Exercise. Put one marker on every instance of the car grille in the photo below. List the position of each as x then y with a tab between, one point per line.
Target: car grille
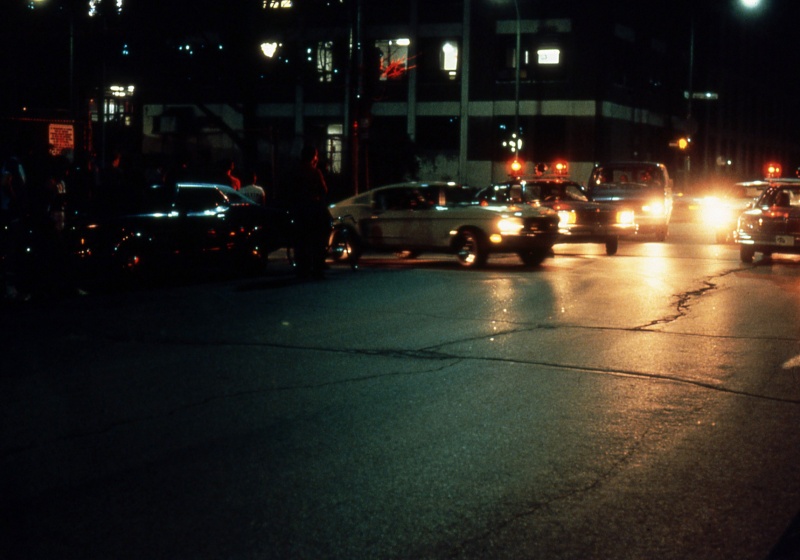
592	217
791	225
541	225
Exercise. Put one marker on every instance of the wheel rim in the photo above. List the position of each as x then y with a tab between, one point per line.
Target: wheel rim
468	252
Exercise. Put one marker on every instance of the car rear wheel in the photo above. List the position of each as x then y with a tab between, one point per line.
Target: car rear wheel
471	249
345	247
612	244
746	253
533	257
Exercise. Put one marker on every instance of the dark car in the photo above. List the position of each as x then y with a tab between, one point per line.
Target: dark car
643	187
178	229
772	225
580	221
410	218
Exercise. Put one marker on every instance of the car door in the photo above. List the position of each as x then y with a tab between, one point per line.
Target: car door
395	220
201	224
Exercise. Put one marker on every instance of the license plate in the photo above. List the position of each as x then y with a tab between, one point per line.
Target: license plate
784	240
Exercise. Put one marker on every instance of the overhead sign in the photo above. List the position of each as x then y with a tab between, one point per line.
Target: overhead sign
61	138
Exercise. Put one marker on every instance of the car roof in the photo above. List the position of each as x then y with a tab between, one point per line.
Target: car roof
421	184
199	185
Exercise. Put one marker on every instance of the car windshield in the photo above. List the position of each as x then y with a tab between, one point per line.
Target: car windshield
533	191
620	175
788	196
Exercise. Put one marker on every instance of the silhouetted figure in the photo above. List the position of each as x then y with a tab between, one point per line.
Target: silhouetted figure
309	199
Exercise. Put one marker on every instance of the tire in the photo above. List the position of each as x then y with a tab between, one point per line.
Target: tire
612	244
533	257
746	253
254	259
345	247
471	249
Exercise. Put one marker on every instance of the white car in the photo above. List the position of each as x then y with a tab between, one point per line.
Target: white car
411	218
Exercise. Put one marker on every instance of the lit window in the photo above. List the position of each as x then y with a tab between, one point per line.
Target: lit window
393	58
325	61
277	4
449	58
333	148
94	5
549	56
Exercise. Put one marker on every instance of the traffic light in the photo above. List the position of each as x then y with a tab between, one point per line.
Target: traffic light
681	143
514	167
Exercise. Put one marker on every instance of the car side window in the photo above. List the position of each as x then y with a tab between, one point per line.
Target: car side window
199	200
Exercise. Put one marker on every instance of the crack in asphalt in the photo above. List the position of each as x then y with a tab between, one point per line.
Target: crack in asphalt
684	300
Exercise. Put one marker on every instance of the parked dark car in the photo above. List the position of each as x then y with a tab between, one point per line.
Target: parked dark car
579	220
772	225
410	218
178	229
643	187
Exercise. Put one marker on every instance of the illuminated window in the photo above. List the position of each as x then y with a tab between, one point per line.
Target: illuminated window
549	56
325	61
449	59
277	4
333	147
94	6
393	58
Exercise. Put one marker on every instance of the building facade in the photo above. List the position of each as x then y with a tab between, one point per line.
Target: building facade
456	89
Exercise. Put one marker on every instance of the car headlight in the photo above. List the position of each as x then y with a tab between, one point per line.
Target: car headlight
566	217
654	208
625	217
510	226
715	212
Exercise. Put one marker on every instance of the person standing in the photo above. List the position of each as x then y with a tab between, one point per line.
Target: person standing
311	215
230	173
253	191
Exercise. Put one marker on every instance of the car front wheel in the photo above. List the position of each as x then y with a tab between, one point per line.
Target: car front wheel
533	257
746	253
471	249
612	244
